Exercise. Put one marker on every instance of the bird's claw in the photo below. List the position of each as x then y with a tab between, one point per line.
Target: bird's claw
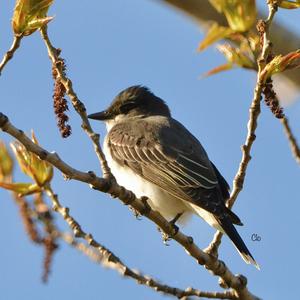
137	215
165	237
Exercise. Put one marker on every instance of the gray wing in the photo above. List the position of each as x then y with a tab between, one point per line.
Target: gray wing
163	152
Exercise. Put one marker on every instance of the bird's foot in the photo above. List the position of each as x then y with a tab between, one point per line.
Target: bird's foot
167	237
147	207
176	218
137	215
145	211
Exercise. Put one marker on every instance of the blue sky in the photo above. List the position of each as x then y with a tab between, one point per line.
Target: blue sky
109	46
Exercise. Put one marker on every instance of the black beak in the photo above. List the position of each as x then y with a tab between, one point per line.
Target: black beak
103	115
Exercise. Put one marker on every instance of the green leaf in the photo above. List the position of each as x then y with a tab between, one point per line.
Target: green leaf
21	188
28	14
39	170
214	34
38	23
236	56
218	5
280	63
6	162
218	69
40	7
289	4
240	14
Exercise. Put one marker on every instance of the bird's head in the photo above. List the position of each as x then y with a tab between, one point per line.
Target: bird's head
133	101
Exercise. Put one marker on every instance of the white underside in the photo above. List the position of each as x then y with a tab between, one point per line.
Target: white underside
167	205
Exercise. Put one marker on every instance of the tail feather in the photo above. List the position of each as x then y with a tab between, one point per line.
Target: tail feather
234	218
236	239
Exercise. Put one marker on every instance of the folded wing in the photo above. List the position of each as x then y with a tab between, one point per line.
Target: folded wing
173	159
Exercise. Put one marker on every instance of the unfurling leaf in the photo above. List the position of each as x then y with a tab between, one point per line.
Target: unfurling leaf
236	57
289	4
281	63
39	170
6	162
21	189
30	15
240	14
219	69
251	45
214	34
38	23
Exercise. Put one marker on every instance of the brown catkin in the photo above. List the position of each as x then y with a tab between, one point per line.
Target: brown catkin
60	104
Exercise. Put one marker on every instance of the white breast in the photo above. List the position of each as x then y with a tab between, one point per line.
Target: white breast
167	205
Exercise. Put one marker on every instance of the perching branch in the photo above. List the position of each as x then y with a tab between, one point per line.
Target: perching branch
108	259
10	53
254	113
237	283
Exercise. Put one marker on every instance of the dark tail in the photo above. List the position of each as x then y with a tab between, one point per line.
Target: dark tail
232	233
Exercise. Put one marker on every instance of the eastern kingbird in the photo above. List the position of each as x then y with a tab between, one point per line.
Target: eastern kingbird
154	155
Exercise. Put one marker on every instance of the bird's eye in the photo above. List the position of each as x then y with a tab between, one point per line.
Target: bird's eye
126	107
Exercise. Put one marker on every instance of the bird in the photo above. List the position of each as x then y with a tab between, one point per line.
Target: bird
155	156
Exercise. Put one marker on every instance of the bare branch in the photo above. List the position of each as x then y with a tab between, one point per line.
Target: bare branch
217	267
10	53
254	113
146	280
110	260
291	138
82	247
77	104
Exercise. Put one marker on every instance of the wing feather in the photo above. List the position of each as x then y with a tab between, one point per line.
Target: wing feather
170	157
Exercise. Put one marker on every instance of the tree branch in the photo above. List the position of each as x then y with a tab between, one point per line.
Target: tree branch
291	138
10	53
104	257
254	113
217	267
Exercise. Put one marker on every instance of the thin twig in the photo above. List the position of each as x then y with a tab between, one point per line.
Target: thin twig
291	138
77	104
82	247
217	267
10	53
108	259
254	113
